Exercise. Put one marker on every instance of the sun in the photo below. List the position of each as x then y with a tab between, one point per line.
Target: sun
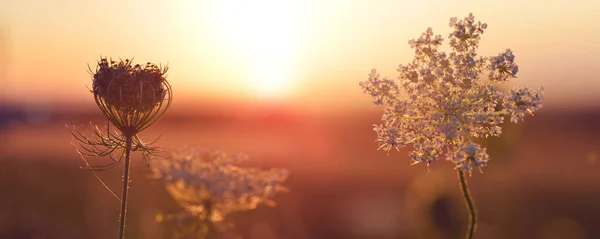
262	34
270	78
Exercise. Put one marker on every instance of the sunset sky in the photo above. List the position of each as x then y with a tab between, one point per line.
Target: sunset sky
311	52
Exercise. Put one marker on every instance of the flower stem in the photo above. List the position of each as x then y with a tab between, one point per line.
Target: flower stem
469	203
125	188
206	222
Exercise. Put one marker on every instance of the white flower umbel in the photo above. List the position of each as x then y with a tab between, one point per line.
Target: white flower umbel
210	185
440	104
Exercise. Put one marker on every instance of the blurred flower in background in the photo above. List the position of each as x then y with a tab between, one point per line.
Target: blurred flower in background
210	185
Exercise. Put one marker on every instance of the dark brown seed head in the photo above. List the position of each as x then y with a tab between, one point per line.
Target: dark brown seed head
132	97
129	88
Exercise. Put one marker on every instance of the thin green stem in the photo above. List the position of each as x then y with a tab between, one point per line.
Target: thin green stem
125	188
469	203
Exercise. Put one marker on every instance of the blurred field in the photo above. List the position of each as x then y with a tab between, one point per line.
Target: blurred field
543	180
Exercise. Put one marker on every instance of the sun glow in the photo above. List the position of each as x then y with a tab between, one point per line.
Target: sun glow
263	36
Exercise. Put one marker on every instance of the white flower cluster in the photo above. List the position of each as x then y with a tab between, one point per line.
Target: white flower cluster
439	103
210	180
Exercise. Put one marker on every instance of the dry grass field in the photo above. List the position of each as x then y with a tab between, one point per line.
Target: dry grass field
543	180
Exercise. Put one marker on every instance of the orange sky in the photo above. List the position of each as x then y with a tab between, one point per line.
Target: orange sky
309	51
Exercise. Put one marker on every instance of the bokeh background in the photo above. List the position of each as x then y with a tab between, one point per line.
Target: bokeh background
278	80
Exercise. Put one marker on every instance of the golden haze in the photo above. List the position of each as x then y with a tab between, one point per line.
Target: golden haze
309	52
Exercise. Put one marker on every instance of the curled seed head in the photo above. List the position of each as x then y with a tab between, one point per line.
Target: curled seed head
132	97
129	88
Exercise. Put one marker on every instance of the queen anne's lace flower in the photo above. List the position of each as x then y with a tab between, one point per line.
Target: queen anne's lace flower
210	180
439	103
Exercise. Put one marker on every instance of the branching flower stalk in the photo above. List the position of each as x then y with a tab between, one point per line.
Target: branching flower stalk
132	98
210	185
440	105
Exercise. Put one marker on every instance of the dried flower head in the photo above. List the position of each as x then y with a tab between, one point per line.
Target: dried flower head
202	180
131	97
440	104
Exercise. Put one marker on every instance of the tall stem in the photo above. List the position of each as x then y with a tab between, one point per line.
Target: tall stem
125	188
469	203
